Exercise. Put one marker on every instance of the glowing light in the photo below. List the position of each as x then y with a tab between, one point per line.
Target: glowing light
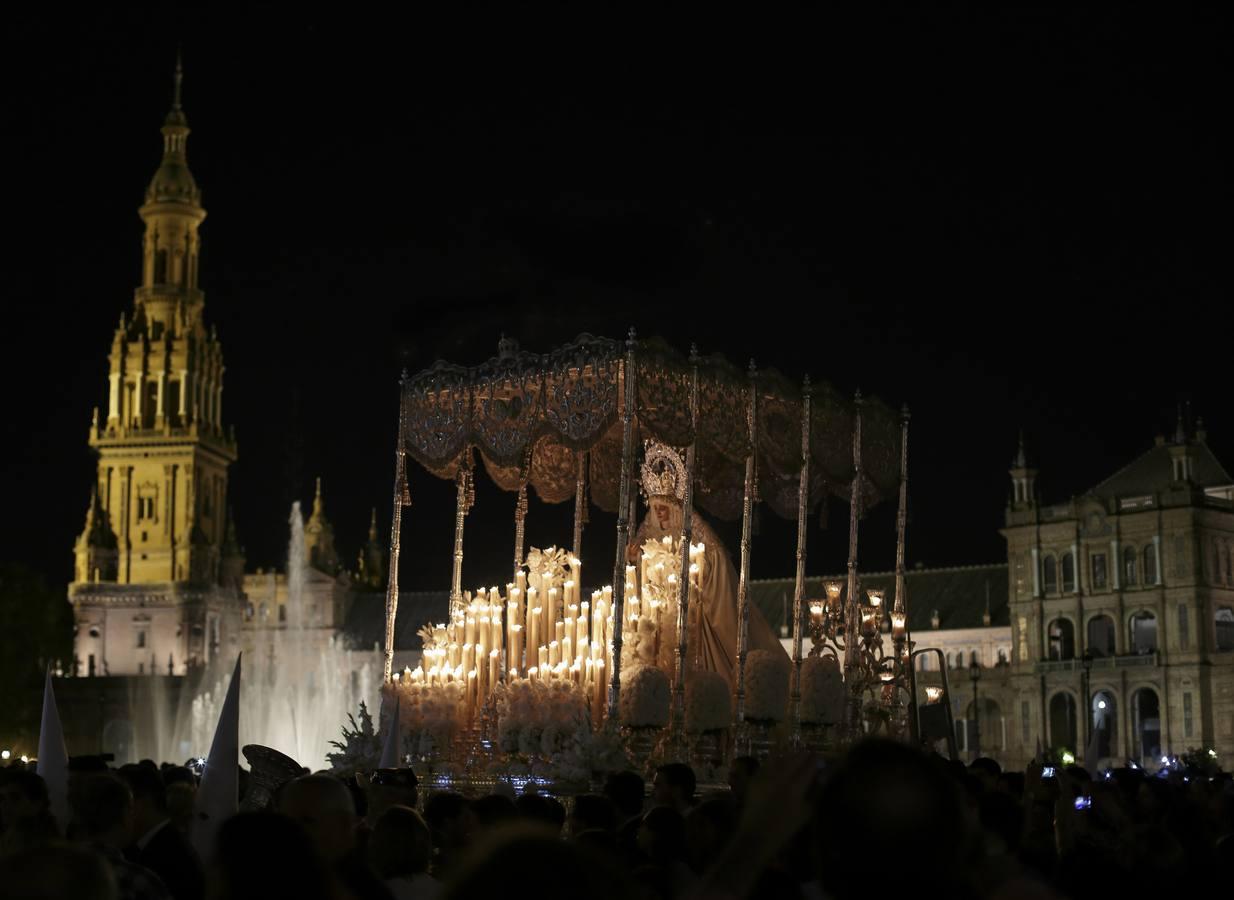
25	758
1212	753
1068	757
5	754
1100	704
1165	760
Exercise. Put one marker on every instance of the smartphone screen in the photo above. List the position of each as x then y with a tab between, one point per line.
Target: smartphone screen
1047	772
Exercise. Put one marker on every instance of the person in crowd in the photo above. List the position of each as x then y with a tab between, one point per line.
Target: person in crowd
674	787
662	839
523	861
25	815
400	850
545	811
157	844
592	812
627	790
452	825
102	809
55	871
264	855
323	806
740	772
385	788
494	811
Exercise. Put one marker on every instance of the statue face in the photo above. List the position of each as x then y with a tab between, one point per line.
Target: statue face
664	511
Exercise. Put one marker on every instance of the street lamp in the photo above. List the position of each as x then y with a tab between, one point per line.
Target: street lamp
974	675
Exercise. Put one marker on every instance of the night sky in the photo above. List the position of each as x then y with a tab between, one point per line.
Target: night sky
1011	218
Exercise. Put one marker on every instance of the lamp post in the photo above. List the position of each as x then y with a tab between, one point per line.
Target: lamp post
974	675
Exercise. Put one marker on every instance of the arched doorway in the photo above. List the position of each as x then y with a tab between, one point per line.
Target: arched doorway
1146	726
1061	636
1063	721
1103	720
1101	636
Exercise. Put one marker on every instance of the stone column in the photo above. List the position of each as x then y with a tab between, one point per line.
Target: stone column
113	397
184	392
158	403
1115	564
1036	572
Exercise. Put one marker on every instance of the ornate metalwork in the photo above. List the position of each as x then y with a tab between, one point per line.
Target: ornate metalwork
629	376
402	497
743	577
683	580
851	652
465	498
803	505
580	503
900	630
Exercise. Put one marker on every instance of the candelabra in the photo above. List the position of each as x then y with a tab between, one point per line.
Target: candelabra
877	681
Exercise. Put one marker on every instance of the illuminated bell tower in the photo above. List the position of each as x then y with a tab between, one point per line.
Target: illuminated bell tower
163	450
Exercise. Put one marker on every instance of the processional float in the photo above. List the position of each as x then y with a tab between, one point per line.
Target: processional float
568	424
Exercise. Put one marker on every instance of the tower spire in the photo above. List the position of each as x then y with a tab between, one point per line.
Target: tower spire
175	100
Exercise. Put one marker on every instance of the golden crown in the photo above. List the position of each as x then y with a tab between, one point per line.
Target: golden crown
663	472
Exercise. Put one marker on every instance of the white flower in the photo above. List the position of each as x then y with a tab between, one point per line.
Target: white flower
822	691
707	702
767	677
645	698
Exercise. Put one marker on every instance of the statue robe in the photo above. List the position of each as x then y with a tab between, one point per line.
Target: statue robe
712	642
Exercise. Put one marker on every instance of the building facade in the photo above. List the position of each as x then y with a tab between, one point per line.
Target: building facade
156	584
1122	608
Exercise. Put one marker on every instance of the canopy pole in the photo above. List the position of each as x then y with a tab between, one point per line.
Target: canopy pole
903	643
402	497
803	502
683	577
580	504
852	631
623	524
520	513
465	497
747	520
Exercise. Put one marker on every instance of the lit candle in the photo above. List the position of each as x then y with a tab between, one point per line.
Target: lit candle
520	579
466	662
816	613
584	622
515	654
469	635
533	630
552	609
543	658
533	673
494	669
554	654
934	694
898	624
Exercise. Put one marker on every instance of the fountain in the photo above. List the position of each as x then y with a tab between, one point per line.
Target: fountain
299	681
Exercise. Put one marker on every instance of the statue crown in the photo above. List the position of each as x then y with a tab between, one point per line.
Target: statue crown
663	472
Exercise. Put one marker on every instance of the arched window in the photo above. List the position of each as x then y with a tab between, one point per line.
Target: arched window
1101	636
1049	575
1068	573
1062	639
1062	721
160	267
1150	564
1223	620
1143	633
1146	725
1129	566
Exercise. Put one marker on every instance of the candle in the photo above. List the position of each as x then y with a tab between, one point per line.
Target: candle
472	687
533	673
496	640
551	616
567	649
934	694
515	653
543	658
469	634
533	630
554	654
559	631
520	579
468	650
584	622
494	669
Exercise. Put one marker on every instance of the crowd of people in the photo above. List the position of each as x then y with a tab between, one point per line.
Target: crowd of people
882	817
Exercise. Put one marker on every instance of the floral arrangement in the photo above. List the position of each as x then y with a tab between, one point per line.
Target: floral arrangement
546	567
766	686
645	698
707	702
822	691
360	749
429	715
590	754
539	718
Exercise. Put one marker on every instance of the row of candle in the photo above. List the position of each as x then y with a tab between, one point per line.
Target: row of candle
871	613
652	590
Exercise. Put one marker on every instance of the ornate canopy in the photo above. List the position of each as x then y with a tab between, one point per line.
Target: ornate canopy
528	414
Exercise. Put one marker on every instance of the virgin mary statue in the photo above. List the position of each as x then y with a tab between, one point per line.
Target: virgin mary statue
663	484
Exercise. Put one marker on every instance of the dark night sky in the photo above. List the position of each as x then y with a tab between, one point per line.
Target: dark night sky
1011	218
